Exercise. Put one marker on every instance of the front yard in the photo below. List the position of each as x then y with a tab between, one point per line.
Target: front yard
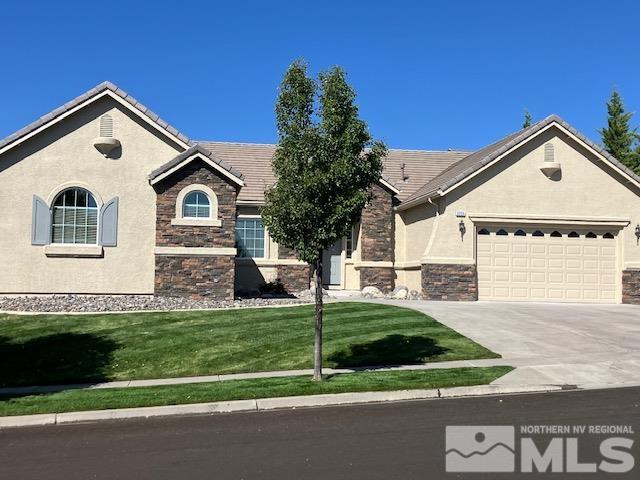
59	349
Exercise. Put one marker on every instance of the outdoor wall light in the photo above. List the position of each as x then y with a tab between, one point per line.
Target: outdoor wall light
463	228
637	234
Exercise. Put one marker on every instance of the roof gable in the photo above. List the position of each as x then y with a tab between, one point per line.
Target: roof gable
196	152
467	167
87	98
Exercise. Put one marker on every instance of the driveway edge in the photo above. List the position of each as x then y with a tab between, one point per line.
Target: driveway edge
264	404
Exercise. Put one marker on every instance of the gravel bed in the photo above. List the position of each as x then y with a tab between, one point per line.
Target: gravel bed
125	303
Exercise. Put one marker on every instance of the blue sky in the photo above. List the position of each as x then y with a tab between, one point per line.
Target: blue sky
429	75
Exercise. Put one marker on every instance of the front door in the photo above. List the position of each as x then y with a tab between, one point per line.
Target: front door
332	264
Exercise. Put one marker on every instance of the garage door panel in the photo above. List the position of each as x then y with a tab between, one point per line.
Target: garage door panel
545	268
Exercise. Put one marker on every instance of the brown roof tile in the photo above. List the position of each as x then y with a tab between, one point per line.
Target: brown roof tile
254	161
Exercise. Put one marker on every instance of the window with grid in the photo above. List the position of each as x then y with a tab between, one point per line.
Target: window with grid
250	237
196	205
75	217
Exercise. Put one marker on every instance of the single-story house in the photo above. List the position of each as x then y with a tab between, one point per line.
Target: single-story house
101	196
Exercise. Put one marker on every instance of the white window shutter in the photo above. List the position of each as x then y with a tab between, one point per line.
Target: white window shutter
108	223
40	222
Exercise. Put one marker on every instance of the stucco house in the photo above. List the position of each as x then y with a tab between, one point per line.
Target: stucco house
101	196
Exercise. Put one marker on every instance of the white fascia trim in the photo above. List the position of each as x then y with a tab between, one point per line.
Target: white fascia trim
548	219
389	186
195	251
448	261
205	159
82	105
372	264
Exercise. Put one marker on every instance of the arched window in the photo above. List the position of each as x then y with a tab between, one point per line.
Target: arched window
196	205
520	233
484	231
537	233
502	232
591	235
556	234
573	235
607	235
75	217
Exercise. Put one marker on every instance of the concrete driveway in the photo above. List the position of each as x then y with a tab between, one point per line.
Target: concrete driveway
566	344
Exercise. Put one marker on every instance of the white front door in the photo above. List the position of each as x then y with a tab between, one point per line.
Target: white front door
332	264
547	264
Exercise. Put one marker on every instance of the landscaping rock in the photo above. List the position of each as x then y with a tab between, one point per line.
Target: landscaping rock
124	303
400	292
372	292
414	295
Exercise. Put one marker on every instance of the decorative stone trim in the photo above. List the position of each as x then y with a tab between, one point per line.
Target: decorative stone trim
380	277
449	282
631	286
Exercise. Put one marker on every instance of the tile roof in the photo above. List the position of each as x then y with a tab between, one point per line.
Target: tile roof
254	160
478	159
86	96
195	149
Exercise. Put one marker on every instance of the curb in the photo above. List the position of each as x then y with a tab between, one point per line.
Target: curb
264	404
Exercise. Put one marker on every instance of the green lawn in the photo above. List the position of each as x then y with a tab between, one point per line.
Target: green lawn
78	400
54	349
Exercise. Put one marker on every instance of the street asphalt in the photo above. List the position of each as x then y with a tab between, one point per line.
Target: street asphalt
400	440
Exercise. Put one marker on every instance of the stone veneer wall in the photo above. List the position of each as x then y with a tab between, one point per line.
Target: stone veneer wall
449	282
295	278
631	286
195	276
376	240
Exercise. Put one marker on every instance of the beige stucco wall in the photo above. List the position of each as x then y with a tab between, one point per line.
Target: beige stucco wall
515	186
64	155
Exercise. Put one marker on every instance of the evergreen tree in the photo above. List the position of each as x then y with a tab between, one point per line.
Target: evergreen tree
528	120
325	165
618	137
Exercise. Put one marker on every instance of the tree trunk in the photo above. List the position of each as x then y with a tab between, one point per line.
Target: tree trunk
317	349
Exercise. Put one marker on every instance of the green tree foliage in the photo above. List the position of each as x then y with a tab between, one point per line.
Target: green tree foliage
528	119
619	139
325	165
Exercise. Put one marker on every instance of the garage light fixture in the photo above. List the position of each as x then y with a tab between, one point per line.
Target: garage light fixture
637	234
462	228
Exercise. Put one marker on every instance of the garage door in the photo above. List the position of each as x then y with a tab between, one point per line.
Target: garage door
546	265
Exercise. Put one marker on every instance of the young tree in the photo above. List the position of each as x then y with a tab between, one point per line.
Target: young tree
618	137
325	165
528	119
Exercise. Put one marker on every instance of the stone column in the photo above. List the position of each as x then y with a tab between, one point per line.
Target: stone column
377	242
631	286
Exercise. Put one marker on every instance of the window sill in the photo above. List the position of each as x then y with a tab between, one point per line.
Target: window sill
77	251
196	222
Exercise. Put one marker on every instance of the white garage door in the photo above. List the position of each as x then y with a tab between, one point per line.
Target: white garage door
546	265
